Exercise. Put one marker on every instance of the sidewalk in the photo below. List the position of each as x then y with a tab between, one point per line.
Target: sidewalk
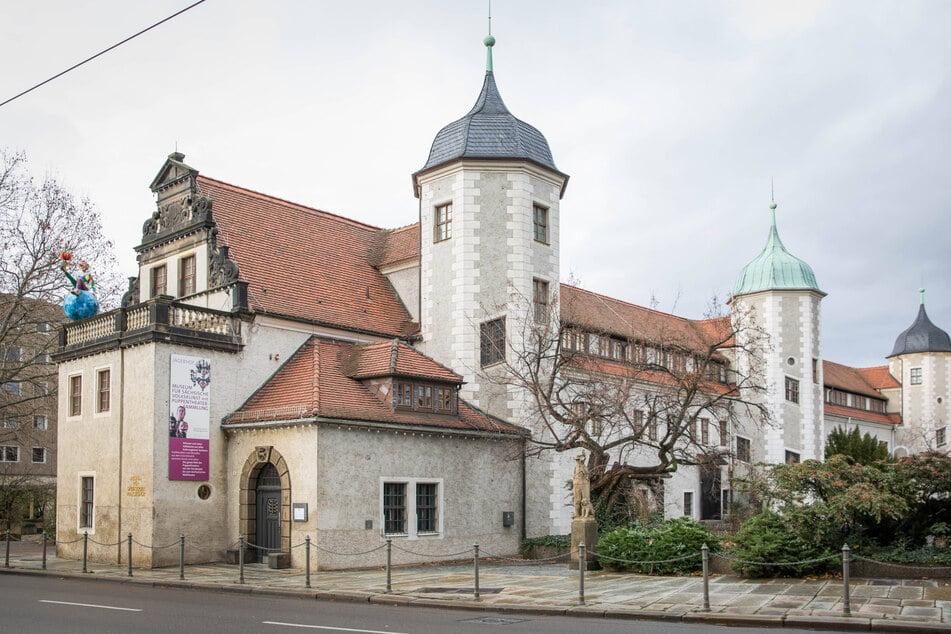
876	604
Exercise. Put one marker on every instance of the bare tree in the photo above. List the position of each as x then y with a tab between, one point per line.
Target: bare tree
642	392
38	222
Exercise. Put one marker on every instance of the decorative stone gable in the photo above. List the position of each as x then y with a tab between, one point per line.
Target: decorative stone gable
180	206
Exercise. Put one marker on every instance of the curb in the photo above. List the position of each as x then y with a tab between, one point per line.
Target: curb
844	623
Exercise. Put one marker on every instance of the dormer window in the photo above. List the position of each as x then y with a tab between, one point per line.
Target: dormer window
421	396
186	276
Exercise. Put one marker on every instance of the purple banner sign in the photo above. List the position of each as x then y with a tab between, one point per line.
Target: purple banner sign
189	398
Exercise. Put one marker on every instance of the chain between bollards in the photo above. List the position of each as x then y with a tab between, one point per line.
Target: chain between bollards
846	552
44	550
85	548
705	552
389	561
7	558
129	554
582	557
181	556
475	563
307	562
241	558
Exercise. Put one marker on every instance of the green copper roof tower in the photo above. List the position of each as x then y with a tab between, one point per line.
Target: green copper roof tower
775	268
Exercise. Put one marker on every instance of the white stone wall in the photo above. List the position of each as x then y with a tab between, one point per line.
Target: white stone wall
924	407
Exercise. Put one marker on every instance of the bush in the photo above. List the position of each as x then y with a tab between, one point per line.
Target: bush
669	539
558	541
770	538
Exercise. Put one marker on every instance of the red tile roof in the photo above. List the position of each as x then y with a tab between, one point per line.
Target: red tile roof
395	358
838	410
846	378
397	246
305	263
879	377
312	383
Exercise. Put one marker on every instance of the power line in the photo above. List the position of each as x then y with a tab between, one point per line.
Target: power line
102	52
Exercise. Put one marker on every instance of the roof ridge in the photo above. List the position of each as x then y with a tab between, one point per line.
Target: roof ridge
394	354
331	215
607	297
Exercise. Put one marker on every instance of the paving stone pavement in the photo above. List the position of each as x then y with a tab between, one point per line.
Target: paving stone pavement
876	604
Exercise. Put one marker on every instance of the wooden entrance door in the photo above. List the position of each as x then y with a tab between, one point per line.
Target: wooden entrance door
710	491
268	511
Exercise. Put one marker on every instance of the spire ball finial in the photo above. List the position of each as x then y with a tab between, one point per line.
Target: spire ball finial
489	41
773	205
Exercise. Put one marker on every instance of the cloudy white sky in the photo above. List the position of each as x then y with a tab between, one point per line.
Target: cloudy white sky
671	119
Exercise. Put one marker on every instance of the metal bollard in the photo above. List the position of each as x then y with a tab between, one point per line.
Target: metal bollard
389	561
475	562
846	608
705	552
181	557
85	548
44	550
307	561
129	554
581	564
7	558
241	558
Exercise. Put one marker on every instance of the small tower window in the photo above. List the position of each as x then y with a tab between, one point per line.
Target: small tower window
540	299
792	390
442	223
492	339
541	224
916	376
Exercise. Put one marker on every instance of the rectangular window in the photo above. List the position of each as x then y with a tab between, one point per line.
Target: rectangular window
442	223
492	340
87	490
916	376
638	422
540	299
43	357
619	350
39	454
743	450
815	370
875	405
792	457
42	326
76	395
940	436
404	394
103	390
424	396
651	427
724	434
12	388
444	399
426	507
837	397
40	422
186	276
9	453
159	281
11	353
705	432
394	508
688	503
10	423
792	390
540	223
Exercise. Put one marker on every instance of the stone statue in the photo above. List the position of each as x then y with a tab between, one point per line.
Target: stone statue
581	488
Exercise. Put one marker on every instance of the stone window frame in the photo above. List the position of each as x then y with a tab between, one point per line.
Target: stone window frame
492	341
9	453
541	224
792	390
41	422
792	457
187	275
541	299
409	507
941	436
74	395
43	455
724	432
744	449
103	396
689	503
86	508
158	280
915	376
442	222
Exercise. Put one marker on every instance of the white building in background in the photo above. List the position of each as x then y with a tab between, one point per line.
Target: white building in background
330	377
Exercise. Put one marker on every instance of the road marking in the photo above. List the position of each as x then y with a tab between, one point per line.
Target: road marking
93	605
325	627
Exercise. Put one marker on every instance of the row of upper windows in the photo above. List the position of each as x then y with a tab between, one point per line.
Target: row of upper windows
40	423
15	388
103	393
855	401
442	223
424	397
16	353
158	283
11	453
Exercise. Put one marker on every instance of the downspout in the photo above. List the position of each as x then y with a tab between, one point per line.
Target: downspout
524	510
121	417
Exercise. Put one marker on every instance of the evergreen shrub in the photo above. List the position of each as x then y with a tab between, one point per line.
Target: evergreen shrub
769	538
669	539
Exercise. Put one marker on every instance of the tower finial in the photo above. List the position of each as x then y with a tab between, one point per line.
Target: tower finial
922	289
489	42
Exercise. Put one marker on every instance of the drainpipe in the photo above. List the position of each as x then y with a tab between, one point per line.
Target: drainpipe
524	510
121	417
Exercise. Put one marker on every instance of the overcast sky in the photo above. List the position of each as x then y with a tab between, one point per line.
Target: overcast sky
670	117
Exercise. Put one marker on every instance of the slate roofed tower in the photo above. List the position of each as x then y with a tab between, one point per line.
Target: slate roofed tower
921	362
489	196
777	294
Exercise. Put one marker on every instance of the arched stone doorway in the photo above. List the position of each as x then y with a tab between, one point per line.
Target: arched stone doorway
266	501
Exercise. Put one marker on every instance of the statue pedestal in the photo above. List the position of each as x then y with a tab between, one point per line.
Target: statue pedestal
584	529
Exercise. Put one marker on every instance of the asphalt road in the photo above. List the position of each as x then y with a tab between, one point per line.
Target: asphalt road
49	604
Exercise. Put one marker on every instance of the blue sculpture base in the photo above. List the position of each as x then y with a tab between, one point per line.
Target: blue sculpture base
81	306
